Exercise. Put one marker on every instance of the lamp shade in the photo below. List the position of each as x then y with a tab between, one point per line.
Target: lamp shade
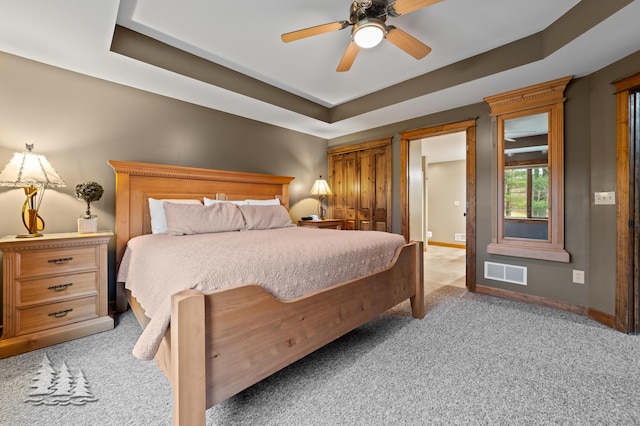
320	187
30	169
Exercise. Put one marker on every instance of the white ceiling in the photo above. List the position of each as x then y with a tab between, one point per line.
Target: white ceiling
245	36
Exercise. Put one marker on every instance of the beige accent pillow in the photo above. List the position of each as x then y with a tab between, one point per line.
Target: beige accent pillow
265	217
156	212
188	219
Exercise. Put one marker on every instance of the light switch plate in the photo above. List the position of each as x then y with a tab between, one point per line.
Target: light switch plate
601	198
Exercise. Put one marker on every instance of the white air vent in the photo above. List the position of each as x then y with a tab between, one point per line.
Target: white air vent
508	273
460	237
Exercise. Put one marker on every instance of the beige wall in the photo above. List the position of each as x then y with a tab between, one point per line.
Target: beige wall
79	123
446	183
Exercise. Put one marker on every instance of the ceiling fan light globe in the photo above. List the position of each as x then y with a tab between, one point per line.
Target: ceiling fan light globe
368	33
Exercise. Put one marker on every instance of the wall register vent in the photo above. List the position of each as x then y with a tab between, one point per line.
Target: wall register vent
460	237
508	273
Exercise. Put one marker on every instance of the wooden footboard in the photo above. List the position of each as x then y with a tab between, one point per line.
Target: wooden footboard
222	342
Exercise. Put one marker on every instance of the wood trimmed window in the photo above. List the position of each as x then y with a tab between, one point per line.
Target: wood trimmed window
529	125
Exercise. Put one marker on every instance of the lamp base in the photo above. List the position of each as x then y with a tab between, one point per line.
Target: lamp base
29	235
31	219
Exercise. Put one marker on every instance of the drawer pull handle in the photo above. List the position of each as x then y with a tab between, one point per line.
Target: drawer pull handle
60	261
60	314
60	287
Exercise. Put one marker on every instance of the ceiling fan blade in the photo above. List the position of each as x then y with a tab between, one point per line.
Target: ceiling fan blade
408	43
313	31
348	57
402	7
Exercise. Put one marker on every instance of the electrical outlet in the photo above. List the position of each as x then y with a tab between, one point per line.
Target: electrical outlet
578	276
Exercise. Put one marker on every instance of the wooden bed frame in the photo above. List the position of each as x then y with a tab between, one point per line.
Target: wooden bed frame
222	342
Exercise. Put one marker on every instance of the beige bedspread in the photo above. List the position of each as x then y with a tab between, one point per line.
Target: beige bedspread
287	262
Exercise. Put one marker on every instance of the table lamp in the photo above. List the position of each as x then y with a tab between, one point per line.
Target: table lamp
34	174
321	189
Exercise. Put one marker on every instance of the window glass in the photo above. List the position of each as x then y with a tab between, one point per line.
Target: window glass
526	192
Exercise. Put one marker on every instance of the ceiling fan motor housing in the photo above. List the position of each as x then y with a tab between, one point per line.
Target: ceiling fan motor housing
367	18
377	10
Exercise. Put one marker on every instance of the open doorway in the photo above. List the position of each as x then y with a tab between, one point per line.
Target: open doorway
437	213
468	128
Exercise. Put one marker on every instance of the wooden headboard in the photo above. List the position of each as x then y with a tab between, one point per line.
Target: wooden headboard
137	182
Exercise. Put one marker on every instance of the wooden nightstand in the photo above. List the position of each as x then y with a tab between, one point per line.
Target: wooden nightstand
324	223
54	289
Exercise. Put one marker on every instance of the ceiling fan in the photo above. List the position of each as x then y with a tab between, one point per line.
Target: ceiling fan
369	28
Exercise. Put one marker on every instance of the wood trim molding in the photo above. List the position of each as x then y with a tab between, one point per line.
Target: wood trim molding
469	127
441	129
452	245
528	298
625	305
359	146
404	188
601	317
21	244
628	83
471	206
548	93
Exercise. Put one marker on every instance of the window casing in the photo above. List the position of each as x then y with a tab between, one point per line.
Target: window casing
529	208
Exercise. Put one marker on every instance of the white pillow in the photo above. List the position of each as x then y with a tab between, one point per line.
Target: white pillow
156	211
269	202
209	201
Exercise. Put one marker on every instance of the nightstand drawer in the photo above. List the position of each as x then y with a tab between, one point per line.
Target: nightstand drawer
55	314
59	260
43	289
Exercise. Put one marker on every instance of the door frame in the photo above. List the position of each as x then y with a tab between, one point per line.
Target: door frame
627	316
469	127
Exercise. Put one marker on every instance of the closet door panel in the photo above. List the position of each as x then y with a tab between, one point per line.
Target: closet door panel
365	180
352	189
337	183
381	201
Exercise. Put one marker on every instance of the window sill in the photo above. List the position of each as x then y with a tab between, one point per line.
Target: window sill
555	255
